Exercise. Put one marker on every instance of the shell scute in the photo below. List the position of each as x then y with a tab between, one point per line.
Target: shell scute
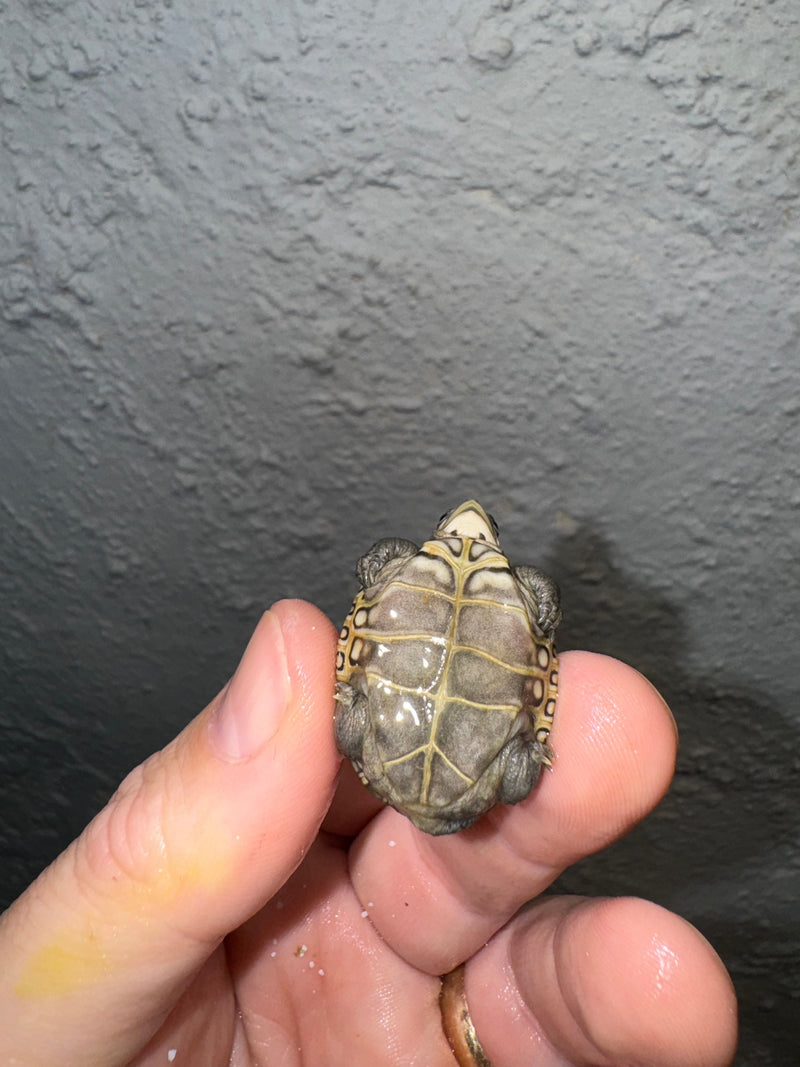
409	773
412	664
493	583
480	679
445	780
499	633
405	611
430	571
462	729
402	721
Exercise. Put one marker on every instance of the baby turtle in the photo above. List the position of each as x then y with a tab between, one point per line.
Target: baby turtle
447	673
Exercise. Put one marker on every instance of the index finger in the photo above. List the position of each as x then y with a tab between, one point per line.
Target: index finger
436	900
100	949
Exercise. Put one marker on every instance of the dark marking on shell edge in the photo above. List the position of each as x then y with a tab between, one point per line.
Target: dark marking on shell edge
435	555
478	549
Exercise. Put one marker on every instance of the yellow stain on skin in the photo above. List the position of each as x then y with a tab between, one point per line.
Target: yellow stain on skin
167	888
81	955
73	961
128	916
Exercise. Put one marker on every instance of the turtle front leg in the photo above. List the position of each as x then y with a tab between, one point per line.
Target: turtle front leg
383	553
542	599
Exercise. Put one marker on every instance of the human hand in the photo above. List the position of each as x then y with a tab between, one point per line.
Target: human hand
204	918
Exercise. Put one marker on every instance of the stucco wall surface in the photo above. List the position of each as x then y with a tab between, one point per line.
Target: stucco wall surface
277	279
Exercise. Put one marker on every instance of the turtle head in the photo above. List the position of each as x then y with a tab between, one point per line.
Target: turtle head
468	520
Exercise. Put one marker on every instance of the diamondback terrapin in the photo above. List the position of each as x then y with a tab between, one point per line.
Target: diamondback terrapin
447	673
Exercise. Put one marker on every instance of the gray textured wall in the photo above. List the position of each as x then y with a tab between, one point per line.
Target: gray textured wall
277	279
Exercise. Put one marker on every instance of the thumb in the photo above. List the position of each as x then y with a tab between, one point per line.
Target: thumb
192	844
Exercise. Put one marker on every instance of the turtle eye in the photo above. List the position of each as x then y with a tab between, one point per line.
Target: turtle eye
442	518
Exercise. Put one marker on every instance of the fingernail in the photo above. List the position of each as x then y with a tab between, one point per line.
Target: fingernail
251	708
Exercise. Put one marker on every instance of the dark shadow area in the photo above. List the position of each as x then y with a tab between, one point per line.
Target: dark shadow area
765	972
77	715
85	698
732	808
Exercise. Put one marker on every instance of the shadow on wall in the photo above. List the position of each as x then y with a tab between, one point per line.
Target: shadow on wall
710	851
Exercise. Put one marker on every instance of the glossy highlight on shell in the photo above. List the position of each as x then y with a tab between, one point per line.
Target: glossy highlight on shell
447	673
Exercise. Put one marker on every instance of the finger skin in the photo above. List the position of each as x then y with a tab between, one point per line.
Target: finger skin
98	950
317	986
601	982
615	743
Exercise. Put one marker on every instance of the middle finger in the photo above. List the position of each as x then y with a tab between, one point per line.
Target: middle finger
436	900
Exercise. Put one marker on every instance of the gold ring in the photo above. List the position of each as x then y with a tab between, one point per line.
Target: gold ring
457	1021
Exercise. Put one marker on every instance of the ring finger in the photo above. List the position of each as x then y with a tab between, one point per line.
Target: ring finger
601	982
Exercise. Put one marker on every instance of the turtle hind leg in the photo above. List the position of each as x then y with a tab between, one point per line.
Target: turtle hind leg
542	598
520	771
350	721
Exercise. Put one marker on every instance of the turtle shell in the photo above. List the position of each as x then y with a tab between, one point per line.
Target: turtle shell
453	667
